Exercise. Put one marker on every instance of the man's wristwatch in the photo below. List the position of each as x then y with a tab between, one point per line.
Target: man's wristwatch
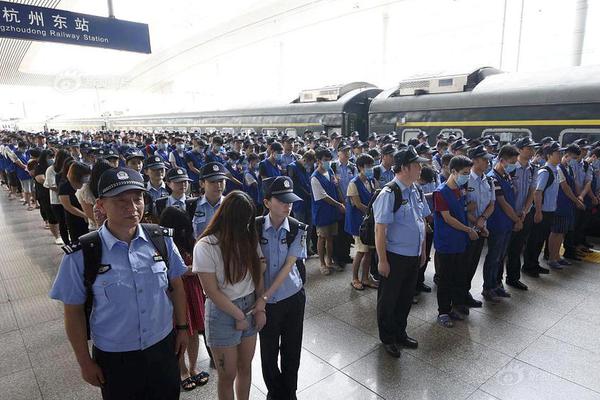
265	298
182	327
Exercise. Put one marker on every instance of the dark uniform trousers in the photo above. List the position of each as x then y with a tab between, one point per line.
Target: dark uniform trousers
282	334
150	374
515	248
576	236
471	260
341	244
394	297
450	276
533	248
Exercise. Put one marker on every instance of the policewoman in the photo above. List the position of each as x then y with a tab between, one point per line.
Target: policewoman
284	295
400	245
212	180
178	181
136	300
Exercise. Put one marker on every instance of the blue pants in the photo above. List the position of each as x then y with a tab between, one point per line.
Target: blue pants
497	247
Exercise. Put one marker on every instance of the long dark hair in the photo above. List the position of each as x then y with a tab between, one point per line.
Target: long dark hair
59	160
183	233
98	169
43	159
234	226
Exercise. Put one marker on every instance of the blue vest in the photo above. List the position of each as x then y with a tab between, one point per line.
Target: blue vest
179	160
499	221
323	213
448	240
229	185
198	160
301	181
271	169
10	165
354	216
164	155
564	205
22	174
254	191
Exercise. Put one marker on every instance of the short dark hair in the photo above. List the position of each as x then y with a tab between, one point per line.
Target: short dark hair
508	151
596	152
458	163
252	157
363	160
323	152
427	174
441	142
573	149
309	155
374	153
446	158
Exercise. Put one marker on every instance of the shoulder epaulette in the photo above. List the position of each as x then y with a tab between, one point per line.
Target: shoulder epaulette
72	248
387	189
167	231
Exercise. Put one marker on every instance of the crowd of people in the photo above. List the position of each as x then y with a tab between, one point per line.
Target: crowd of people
174	236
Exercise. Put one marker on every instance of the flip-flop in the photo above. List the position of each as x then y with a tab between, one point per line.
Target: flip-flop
357	285
371	284
200	379
188	384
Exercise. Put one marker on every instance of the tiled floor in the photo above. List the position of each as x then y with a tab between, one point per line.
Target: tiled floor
541	344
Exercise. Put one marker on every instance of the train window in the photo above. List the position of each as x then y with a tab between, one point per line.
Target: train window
508	134
450	131
228	131
246	131
291	132
210	130
332	129
567	136
408	134
270	131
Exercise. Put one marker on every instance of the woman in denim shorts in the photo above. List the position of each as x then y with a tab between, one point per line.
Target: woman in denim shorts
229	261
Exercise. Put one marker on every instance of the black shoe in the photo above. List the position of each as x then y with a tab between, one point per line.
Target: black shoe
573	257
472	303
542	270
408	342
423	288
436	279
531	273
392	350
462	309
517	285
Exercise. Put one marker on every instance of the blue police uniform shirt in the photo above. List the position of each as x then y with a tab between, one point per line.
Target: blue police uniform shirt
287	159
276	250
179	203
157	193
203	214
387	175
551	194
481	192
405	227
429	188
582	177
132	309
523	181
345	174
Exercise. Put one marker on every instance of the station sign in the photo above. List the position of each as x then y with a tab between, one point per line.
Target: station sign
22	21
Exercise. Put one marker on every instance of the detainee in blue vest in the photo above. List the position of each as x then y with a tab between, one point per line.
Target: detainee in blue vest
177	156
400	245
451	235
284	298
195	159
235	172
252	182
162	150
137	300
545	199
326	208
360	191
567	203
269	167
212	181
503	221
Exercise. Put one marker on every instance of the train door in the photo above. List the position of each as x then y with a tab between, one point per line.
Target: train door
568	136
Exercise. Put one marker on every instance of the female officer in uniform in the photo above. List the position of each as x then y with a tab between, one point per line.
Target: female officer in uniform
135	348
284	297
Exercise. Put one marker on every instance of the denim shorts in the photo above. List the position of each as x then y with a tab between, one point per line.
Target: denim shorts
220	326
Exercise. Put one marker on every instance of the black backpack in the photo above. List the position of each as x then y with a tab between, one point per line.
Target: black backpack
366	231
290	236
91	245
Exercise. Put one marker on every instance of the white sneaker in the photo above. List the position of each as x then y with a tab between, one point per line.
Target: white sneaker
58	242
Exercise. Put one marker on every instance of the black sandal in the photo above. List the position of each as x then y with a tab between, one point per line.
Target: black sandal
188	384
200	379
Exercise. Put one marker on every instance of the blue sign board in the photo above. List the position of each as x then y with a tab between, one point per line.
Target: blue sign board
21	21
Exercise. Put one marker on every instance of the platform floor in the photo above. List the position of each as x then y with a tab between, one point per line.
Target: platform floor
541	344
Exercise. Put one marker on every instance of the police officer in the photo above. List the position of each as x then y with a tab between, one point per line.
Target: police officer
178	181
212	180
383	173
480	203
135	348
284	295
400	244
344	171
524	185
545	200
134	159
